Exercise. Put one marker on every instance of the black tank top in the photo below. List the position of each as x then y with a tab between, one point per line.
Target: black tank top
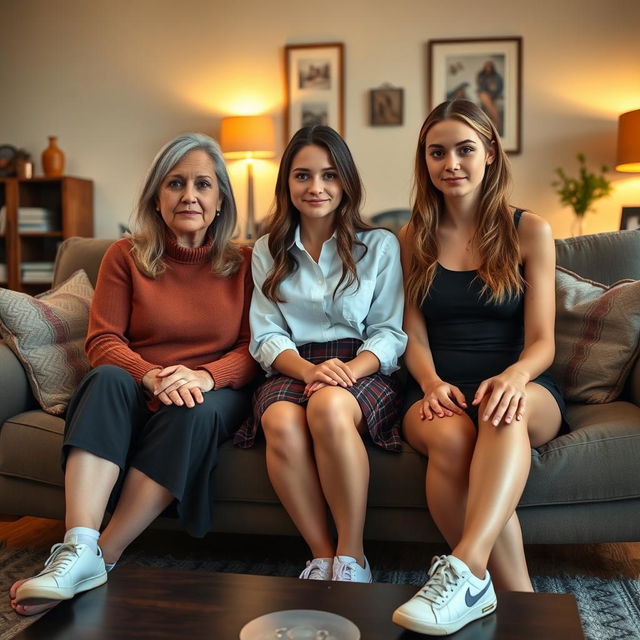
470	337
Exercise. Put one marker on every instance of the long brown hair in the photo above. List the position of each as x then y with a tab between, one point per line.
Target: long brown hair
285	217
148	239
496	237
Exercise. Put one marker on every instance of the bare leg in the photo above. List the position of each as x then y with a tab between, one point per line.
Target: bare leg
142	500
88	482
292	471
449	443
498	474
334	417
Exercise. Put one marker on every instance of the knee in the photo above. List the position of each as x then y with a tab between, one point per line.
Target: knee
447	441
329	414
283	432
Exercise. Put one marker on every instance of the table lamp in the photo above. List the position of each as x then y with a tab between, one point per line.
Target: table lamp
628	157
247	138
628	160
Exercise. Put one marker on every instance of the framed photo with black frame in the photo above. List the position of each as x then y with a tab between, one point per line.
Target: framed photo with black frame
314	75
630	218
485	71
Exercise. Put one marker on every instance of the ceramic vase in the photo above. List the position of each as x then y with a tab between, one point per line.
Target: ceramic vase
53	159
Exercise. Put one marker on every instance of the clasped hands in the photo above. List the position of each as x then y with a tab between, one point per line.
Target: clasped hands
178	385
505	393
330	373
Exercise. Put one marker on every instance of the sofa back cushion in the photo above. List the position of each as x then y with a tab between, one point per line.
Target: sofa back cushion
80	253
603	257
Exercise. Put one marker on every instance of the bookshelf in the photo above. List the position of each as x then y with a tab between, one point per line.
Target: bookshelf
38	214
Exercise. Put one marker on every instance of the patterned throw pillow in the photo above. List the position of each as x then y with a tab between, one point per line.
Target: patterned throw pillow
597	336
47	334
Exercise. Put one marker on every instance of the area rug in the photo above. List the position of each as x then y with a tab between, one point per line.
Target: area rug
608	608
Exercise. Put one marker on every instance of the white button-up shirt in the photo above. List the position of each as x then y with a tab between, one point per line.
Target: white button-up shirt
371	313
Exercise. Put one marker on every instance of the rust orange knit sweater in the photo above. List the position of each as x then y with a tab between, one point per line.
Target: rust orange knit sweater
186	315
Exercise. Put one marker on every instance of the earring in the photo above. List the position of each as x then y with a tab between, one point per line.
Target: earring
218	212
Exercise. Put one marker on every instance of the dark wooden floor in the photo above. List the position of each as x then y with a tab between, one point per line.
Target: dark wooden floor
603	560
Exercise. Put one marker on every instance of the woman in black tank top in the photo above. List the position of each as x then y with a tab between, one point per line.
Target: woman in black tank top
479	314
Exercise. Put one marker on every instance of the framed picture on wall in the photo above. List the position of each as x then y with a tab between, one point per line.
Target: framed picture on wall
486	71
630	218
386	106
314	86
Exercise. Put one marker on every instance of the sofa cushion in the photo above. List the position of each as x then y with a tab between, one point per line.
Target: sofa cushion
604	257
80	253
47	334
596	462
597	336
30	445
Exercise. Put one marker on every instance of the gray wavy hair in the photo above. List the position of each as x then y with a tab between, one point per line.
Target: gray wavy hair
148	236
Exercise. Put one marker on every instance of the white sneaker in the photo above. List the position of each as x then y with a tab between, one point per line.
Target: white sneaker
451	598
347	569
70	569
318	569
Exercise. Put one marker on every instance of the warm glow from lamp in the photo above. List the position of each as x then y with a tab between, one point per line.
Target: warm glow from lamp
628	158
248	137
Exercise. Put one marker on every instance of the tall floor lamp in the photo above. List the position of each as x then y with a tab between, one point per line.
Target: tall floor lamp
247	138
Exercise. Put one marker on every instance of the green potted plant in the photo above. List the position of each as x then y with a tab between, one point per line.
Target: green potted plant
581	192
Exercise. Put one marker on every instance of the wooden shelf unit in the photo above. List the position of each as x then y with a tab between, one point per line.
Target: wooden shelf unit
71	202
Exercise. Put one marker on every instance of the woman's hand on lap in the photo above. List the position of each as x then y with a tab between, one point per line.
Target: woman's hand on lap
332	372
443	400
507	396
179	385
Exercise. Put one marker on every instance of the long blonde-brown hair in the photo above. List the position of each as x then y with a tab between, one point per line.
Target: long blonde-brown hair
285	217
496	237
148	238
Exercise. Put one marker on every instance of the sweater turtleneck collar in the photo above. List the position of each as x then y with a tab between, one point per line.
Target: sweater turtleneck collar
187	255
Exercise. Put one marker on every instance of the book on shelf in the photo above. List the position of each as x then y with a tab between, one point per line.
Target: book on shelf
37	276
35	219
3	218
36	271
3	272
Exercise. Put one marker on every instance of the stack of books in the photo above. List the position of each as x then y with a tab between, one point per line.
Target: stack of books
36	219
36	271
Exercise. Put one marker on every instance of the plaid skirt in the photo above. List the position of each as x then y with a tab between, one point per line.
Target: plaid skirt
377	396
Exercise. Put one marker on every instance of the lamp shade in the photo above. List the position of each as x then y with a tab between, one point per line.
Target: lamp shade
628	158
247	137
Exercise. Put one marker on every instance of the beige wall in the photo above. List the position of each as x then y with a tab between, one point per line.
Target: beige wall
114	79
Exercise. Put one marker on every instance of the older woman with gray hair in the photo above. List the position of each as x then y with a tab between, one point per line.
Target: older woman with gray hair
168	339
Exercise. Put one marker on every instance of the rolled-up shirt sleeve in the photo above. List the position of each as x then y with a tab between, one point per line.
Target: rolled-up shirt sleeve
270	334
384	336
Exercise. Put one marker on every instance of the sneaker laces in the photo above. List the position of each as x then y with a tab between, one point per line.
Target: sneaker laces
442	576
314	570
62	556
344	572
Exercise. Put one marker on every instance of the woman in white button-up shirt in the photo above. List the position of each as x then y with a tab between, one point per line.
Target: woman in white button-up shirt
326	324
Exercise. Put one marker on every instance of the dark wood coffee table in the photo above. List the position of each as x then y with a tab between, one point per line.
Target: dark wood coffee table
143	602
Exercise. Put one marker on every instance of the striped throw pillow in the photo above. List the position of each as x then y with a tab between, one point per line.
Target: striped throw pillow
47	334
597	336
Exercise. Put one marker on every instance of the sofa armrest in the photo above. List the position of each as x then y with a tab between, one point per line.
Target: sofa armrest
16	395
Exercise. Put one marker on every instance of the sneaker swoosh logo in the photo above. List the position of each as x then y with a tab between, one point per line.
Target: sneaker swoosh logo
470	600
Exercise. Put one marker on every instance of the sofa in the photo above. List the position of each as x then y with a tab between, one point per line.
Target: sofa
584	486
